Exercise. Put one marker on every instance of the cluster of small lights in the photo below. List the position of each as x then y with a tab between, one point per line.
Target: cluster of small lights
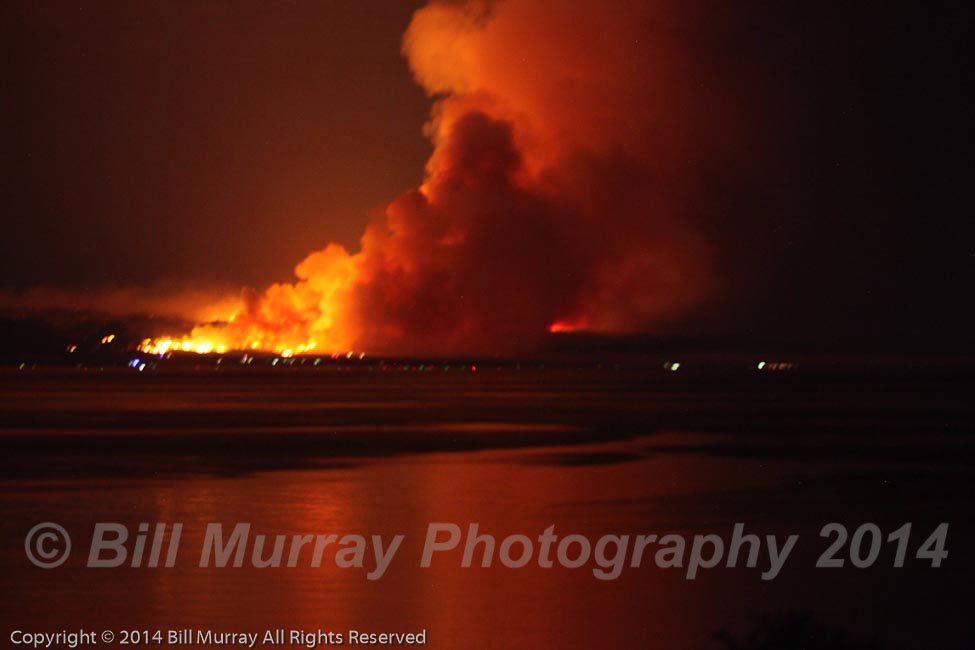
137	364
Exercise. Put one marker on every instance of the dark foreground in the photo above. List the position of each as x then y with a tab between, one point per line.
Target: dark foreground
596	451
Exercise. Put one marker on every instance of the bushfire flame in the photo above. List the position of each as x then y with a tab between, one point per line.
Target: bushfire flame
556	197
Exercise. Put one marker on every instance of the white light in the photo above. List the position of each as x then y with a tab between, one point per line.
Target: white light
674	367
761	365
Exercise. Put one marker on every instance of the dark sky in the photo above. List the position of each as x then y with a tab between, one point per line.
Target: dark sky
220	142
859	232
202	140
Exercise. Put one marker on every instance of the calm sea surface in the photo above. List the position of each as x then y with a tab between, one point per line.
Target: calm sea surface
592	452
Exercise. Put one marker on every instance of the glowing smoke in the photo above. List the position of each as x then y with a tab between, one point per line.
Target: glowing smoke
557	197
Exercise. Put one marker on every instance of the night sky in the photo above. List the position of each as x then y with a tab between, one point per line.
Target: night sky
201	141
218	143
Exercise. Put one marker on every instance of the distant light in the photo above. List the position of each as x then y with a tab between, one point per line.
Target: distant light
135	362
108	339
761	365
142	367
473	368
674	367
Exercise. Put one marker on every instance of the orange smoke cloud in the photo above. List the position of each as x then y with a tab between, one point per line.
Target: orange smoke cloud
558	195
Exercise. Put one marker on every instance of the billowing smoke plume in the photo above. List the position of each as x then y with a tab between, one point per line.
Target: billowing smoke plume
558	196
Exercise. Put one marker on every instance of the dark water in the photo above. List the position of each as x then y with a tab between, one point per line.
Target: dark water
592	452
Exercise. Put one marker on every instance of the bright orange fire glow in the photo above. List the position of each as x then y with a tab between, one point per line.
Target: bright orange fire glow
289	319
164	345
553	200
561	326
